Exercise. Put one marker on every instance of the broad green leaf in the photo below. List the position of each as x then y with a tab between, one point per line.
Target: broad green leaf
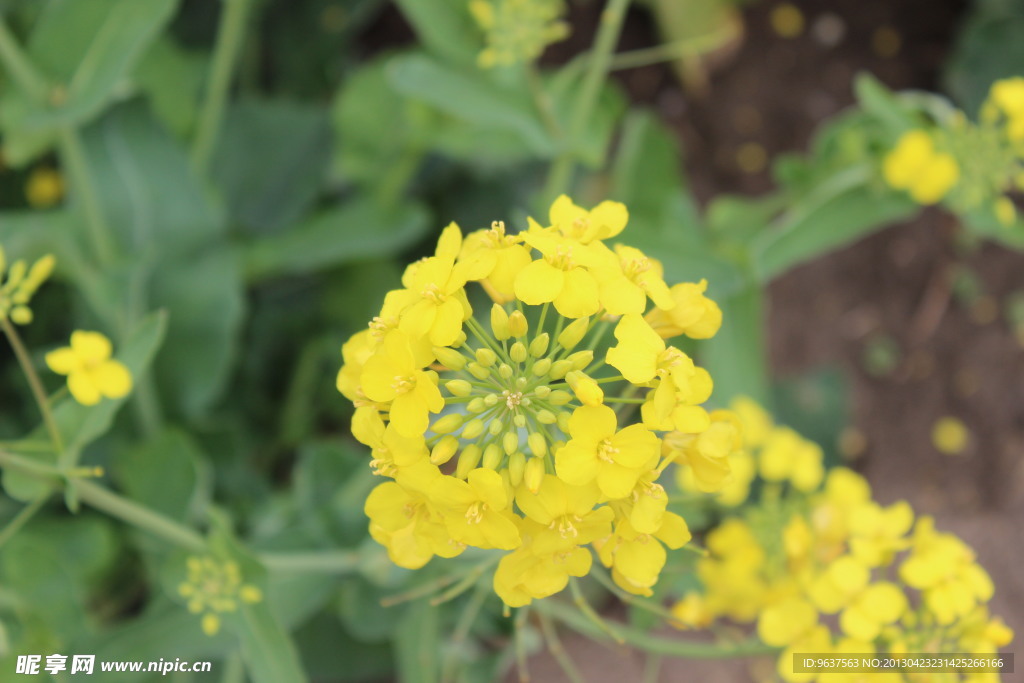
81	425
592	144
445	27
170	77
880	102
466	93
329	653
418	643
988	48
163	474
155	205
735	357
270	161
359	229
89	47
840	210
205	298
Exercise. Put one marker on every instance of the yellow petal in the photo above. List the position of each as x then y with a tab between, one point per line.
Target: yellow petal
90	347
579	296
63	361
82	388
112	379
539	283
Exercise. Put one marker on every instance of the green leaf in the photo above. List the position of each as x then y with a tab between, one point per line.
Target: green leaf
736	356
205	297
418	643
171	78
81	425
445	27
841	210
815	405
467	94
90	46
163	473
270	161
982	221
155	205
987	49
879	101
359	229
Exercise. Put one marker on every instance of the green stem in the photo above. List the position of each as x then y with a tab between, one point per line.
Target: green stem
38	393
139	516
600	63
19	65
73	155
322	562
23	516
670	647
680	49
557	650
225	54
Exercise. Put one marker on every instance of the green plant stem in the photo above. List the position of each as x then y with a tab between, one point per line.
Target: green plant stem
19	66
140	516
225	55
669	647
314	562
34	383
22	518
73	156
680	49
557	650
597	71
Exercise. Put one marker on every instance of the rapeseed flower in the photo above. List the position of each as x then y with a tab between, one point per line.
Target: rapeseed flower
512	431
214	587
92	374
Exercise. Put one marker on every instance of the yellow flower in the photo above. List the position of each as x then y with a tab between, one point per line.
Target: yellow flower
637	559
92	373
626	278
560	276
878	605
517	30
915	166
597	452
786	622
708	454
605	220
475	510
394	374
495	257
786	456
568	511
691	313
692	612
536	570
950	435
20	285
45	188
391	450
214	587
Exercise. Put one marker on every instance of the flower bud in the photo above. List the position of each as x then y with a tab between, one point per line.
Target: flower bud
586	389
560	368
541	367
486	357
539	345
571	335
517	324
476	406
510	442
478	371
459	340
533	474
444	450
546	417
538	444
559	397
495	427
493	456
499	323
447	424
468	460
516	466
581	359
491	399
458	387
473	428
519	420
563	420
505	371
518	352
542	392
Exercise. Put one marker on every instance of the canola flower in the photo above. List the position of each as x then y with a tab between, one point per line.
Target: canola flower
964	163
44	188
517	31
511	431
819	567
214	587
19	285
92	374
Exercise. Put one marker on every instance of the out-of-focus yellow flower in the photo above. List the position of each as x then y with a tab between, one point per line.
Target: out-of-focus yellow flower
92	373
45	187
214	587
518	30
950	435
916	166
20	284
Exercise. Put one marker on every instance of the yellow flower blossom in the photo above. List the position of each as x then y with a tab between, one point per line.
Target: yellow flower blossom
691	313
45	188
20	284
475	510
636	559
560	276
915	166
92	374
517	30
394	375
214	587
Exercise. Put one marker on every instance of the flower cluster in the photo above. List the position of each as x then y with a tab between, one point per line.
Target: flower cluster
214	587
505	433
20	284
92	374
815	550
967	164
518	30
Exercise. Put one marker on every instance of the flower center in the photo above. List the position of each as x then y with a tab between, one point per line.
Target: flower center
566	526
562	258
403	384
605	451
475	513
433	293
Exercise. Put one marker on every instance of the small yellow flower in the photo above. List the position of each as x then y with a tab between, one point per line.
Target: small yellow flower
92	373
517	30
45	187
214	587
20	285
914	165
950	435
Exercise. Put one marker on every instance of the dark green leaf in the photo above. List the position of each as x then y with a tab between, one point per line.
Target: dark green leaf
736	357
445	27
418	643
163	473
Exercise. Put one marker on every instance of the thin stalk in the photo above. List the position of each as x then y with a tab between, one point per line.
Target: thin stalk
557	650
520	644
592	617
22	518
225	54
73	156
680	49
600	63
462	628
669	647
38	393
322	562
21	68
